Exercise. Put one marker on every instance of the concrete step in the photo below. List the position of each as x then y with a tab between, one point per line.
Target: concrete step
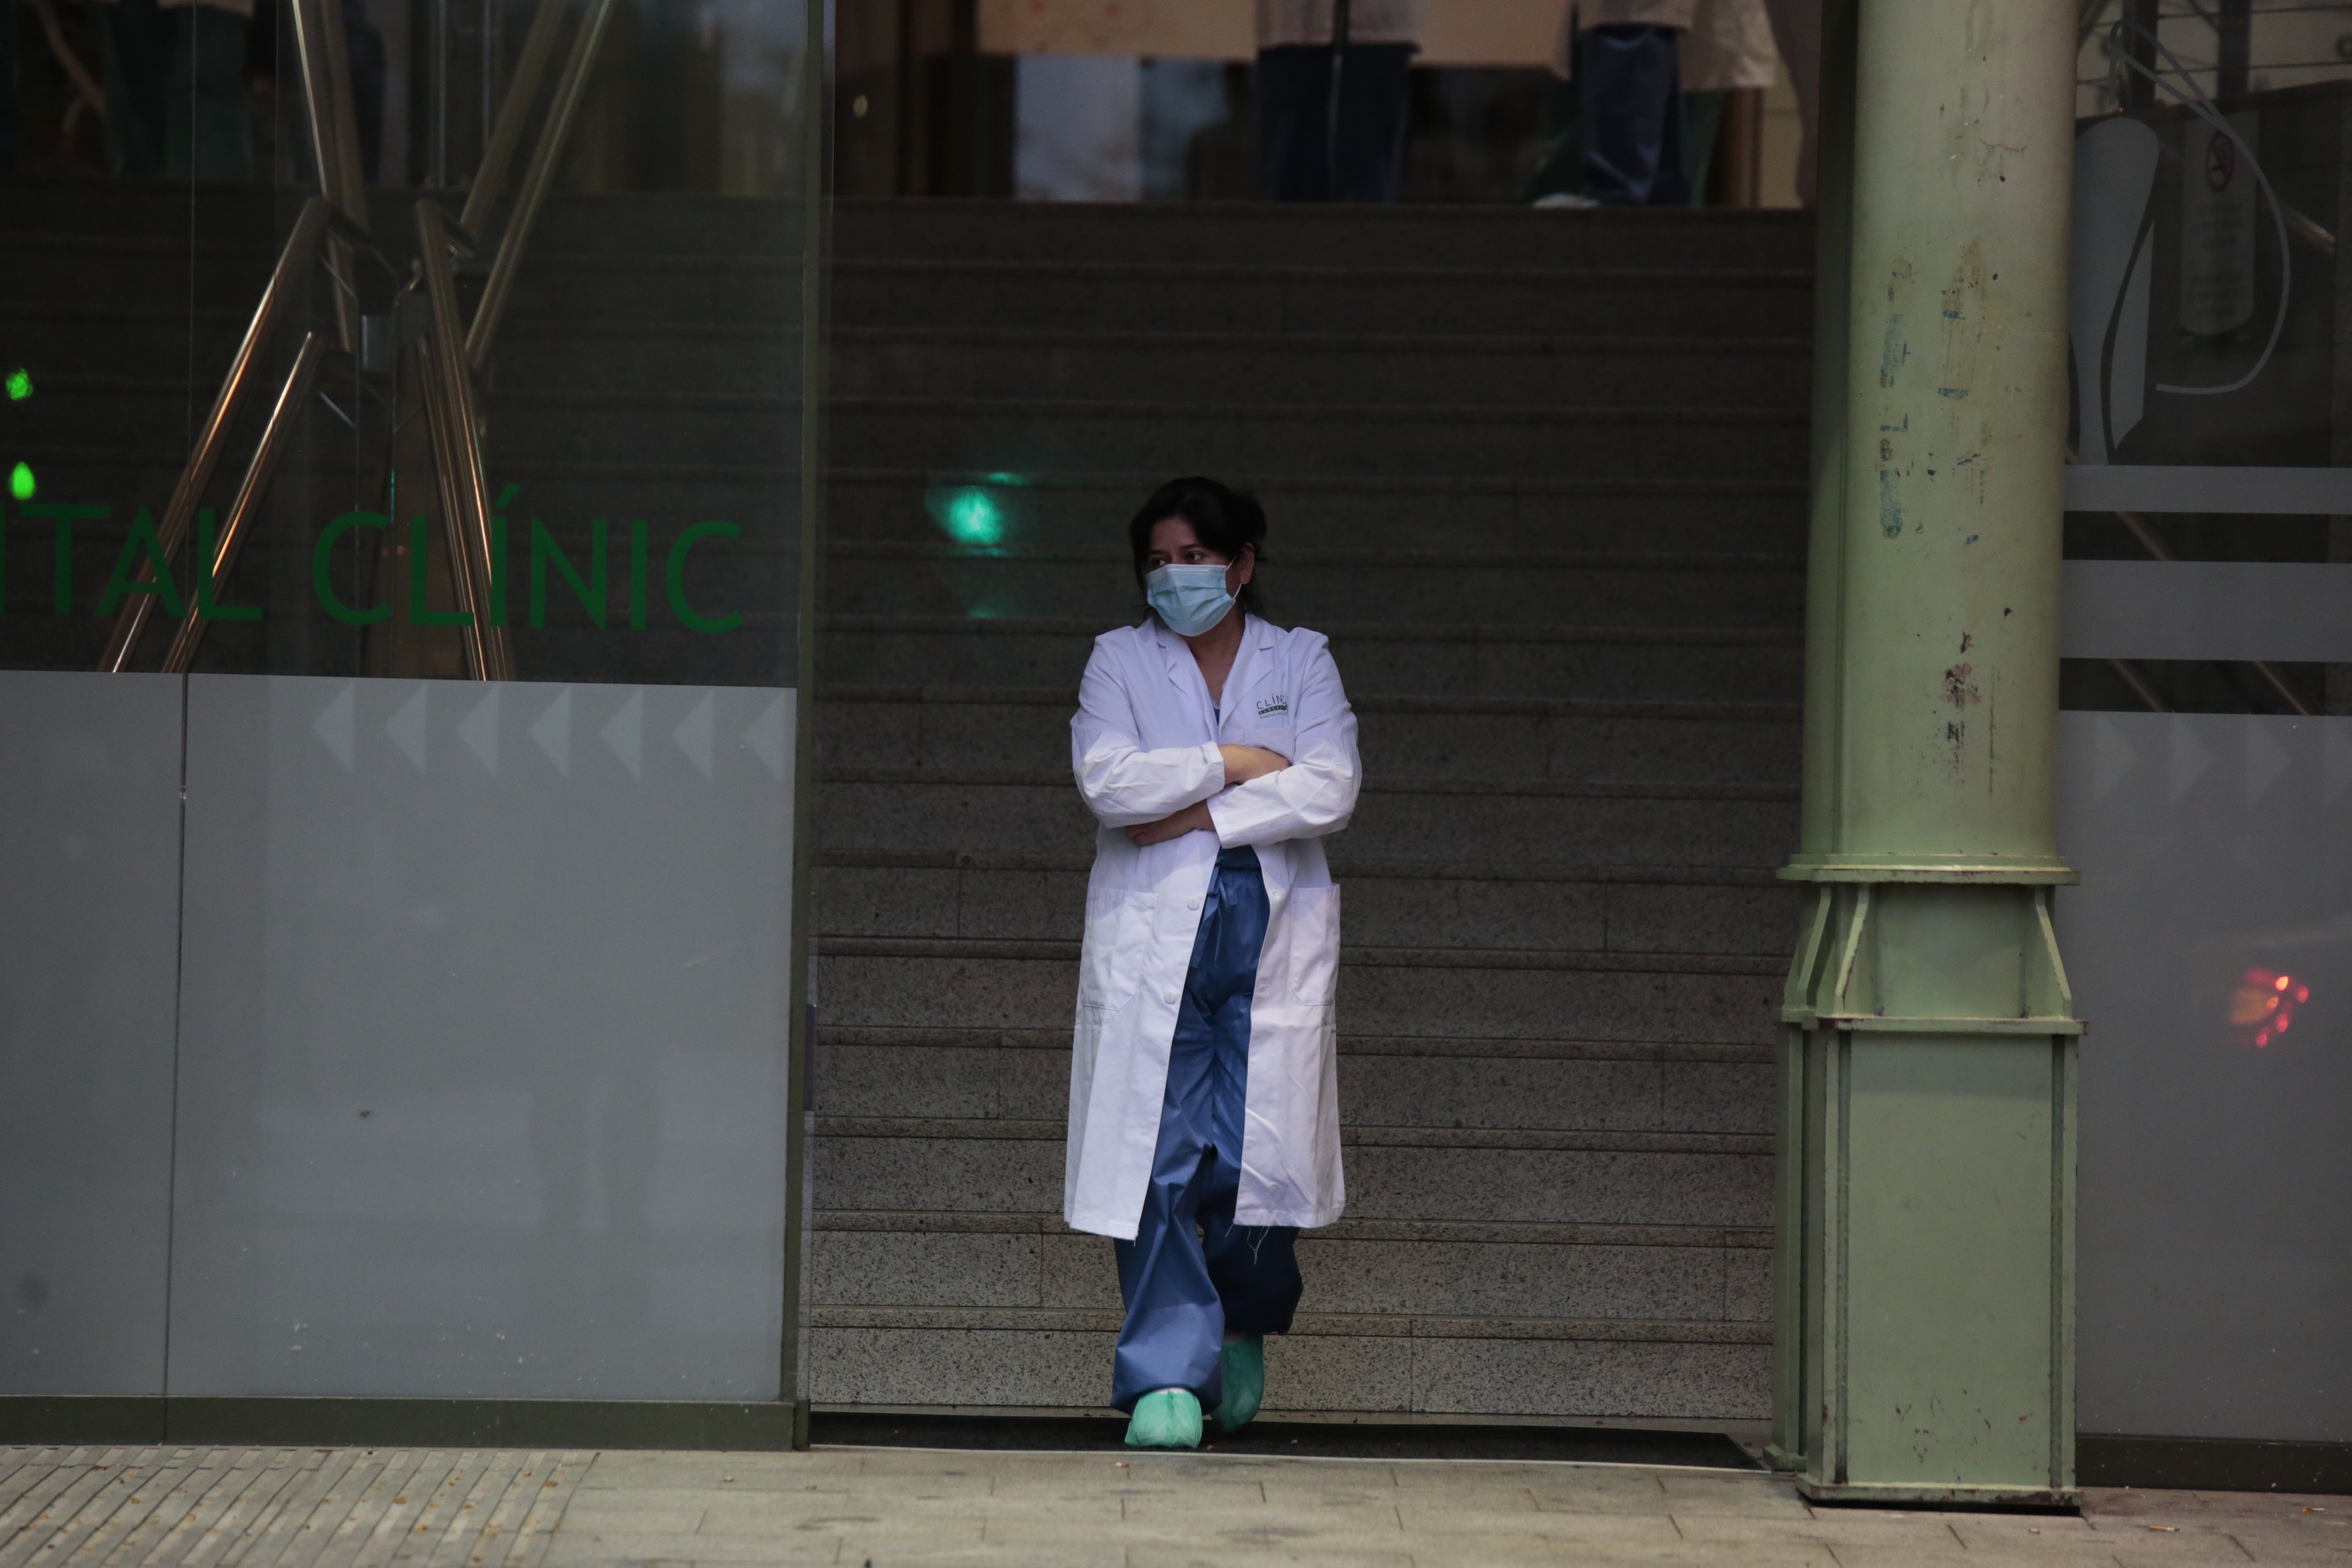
1305	588
1626	662
1611	1178
1085	509
751	359
93	271
1621	1273
1331	235
688	287
1376	1364
1034	435
148	339
1396	818
1730	999
1492	1085
1388	367
1627	908
941	727
1272	300
1357	439
1076	508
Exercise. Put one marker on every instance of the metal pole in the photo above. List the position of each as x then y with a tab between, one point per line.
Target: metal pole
800	1024
1928	1214
1825	658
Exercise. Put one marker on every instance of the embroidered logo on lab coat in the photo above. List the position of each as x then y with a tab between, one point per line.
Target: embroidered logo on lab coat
1275	704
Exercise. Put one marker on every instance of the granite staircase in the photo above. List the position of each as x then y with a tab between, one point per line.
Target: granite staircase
1539	476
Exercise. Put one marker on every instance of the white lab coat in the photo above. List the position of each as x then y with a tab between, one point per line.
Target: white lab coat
1144	744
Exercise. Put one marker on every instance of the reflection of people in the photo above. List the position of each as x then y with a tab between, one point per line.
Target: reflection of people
175	76
1215	749
1298	42
1727	46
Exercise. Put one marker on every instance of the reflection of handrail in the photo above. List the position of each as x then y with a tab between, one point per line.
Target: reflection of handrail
490	179
181	655
172	532
535	179
87	92
2153	542
457	453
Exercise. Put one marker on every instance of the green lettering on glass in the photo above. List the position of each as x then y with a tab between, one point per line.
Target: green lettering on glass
591	593
142	548
324	584
418	614
686	614
640	542
65	516
207	587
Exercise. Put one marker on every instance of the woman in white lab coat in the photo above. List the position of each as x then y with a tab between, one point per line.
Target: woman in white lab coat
1215	749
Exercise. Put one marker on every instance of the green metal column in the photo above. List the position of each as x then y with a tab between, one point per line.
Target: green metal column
1925	1347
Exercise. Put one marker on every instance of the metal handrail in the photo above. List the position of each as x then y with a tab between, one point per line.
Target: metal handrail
533	190
446	358
172	533
537	46
457	453
181	655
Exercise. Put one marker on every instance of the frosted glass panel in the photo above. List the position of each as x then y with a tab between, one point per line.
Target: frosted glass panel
482	1087
90	889
2210	946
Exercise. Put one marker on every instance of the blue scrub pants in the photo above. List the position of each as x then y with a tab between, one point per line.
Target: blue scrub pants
1632	126
1296	159
1191	1275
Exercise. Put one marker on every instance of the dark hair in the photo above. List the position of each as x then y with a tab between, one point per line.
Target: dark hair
1224	519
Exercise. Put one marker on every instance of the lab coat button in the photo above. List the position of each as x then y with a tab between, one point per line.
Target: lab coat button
1171	995
1193	905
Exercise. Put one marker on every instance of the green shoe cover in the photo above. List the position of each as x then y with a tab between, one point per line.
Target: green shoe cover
1170	1418
1244	1382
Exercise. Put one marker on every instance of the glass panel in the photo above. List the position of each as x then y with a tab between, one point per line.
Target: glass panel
405	399
2208	637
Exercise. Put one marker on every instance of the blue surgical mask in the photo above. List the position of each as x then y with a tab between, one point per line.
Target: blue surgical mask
1191	599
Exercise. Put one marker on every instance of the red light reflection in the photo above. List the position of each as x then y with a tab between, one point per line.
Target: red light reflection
2262	1006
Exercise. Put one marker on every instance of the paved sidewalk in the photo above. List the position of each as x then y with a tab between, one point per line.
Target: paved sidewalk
310	1508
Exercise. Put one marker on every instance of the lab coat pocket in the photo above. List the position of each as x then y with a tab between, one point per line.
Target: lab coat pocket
1118	946
1313	918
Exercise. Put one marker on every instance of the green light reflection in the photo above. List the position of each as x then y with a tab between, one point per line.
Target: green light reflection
969	514
20	386
20	481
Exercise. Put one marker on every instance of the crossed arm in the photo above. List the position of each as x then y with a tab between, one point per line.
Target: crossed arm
1245	794
1243	763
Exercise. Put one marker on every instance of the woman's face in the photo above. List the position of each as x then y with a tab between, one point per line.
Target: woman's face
1174	543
